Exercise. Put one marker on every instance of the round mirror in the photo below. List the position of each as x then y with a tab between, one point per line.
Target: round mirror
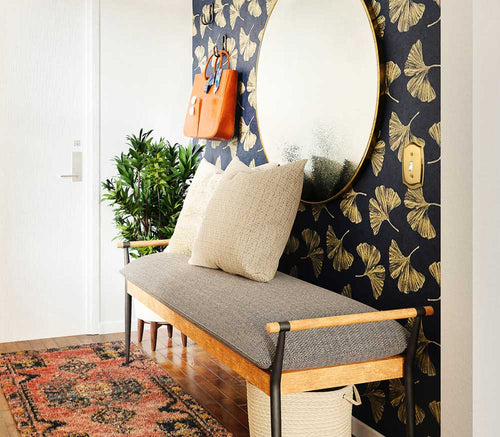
318	85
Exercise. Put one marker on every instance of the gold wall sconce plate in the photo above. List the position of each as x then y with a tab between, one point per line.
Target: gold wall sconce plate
318	88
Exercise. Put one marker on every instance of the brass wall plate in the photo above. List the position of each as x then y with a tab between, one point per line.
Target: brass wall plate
413	165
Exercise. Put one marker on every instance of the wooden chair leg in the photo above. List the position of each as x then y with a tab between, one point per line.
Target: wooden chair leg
170	330
184	340
140	330
154	335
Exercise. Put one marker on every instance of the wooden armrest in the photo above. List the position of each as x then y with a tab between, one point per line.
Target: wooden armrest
349	319
146	243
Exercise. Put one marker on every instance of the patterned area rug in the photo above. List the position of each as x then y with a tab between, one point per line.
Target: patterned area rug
86	391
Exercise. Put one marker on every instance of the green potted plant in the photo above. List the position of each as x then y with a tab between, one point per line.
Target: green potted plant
148	193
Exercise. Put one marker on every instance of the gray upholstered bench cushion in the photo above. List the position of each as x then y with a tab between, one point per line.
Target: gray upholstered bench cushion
235	310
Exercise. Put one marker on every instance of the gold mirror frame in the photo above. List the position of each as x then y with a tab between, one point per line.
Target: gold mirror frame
371	140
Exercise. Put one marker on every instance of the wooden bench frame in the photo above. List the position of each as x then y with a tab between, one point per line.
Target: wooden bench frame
276	381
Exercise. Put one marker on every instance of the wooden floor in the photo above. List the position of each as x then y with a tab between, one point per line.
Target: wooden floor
213	385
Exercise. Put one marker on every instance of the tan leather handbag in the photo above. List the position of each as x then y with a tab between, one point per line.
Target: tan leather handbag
212	105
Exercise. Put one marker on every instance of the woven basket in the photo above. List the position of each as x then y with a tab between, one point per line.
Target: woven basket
322	414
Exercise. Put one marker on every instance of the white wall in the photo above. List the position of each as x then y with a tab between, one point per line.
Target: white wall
486	217
145	83
456	229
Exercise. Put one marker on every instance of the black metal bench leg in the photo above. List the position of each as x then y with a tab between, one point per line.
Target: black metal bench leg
128	309
409	375
276	371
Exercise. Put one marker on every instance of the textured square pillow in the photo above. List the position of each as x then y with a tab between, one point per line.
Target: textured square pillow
248	221
198	195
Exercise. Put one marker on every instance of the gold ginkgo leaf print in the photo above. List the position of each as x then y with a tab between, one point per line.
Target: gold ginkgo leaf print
438	2
314	252
347	291
419	85
194	31
423	358
342	259
316	211
377	157
270	5
435	270
294	271
400	268
233	146
375	272
349	207
252	88
435	407
400	134
377	19
406	12
376	398
201	59
247	46
386	199
220	19
247	137
205	11
302	207
292	245
254	8
397	395
392	72
435	133
418	217
235	12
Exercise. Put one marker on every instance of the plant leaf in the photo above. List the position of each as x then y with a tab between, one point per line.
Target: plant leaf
370	256
400	267
247	46
400	134
349	207
419	85
418	218
386	200
342	259
314	252
406	12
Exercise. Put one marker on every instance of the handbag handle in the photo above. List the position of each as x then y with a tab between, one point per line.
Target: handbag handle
221	56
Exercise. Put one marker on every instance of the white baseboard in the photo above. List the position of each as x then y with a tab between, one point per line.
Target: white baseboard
360	429
111	327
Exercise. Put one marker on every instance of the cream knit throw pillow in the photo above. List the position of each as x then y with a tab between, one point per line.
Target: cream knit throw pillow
248	221
205	180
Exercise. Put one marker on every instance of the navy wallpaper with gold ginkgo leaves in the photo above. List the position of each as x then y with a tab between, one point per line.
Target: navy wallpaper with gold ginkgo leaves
380	242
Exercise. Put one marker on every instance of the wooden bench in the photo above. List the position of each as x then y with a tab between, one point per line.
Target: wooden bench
275	380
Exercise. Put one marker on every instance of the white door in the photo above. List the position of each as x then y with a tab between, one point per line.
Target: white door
42	216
